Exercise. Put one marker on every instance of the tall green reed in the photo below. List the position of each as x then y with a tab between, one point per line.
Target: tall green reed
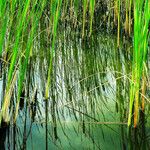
35	17
118	31
141	35
3	23
27	15
117	17
128	20
85	5
21	16
55	14
92	6
129	11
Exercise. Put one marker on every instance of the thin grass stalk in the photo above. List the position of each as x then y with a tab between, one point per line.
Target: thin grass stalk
55	24
2	7
16	46
76	8
85	4
65	5
143	91
3	32
130	21
71	8
4	114
141	24
3	23
92	6
118	31
11	72
127	16
23	63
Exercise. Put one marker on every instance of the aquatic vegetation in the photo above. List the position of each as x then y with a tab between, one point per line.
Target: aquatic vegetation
141	35
56	7
22	26
58	65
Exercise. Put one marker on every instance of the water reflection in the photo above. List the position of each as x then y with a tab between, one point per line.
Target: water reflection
88	103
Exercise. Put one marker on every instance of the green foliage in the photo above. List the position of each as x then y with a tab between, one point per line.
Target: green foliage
141	34
56	12
20	20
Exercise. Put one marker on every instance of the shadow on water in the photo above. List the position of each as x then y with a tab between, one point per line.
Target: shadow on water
88	102
3	134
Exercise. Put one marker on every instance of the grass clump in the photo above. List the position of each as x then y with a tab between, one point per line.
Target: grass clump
20	23
141	35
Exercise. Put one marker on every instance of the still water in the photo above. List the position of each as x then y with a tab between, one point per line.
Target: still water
88	103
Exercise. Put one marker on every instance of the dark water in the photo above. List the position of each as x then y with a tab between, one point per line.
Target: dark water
88	103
